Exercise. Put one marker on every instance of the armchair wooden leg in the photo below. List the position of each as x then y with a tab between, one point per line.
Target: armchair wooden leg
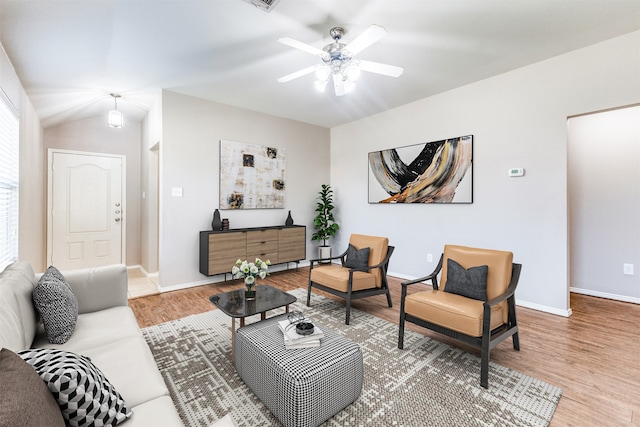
402	318
309	294
484	369
389	298
516	342
486	341
348	316
401	332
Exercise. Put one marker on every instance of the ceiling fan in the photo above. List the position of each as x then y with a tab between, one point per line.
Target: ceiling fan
338	62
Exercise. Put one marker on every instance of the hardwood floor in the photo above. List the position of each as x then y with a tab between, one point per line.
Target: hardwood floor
594	355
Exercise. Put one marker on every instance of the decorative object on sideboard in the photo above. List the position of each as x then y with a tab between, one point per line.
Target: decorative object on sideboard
250	272
225	223
324	221
216	223
289	220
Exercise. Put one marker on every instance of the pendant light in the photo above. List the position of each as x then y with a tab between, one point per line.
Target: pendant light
115	117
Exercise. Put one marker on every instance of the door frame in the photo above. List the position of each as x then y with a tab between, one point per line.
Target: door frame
123	158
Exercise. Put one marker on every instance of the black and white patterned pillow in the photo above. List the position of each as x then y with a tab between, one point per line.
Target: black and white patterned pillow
85	396
57	305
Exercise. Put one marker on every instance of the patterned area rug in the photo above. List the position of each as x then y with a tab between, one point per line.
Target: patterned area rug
426	384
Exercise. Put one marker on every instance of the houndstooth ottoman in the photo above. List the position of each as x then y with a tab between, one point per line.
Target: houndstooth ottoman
301	387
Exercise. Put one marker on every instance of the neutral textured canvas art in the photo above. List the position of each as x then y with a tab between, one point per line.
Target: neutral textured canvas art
434	172
251	176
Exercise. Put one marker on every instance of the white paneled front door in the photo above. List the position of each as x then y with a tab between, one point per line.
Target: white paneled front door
86	210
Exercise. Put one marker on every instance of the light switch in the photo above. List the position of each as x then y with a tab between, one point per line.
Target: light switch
176	191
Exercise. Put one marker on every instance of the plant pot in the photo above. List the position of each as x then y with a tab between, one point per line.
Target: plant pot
324	252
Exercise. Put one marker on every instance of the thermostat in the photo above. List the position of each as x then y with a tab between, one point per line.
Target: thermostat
516	172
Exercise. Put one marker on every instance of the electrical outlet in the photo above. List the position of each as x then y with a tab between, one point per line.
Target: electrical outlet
627	269
429	258
176	191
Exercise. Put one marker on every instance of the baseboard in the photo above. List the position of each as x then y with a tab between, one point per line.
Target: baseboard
544	308
623	298
221	278
142	270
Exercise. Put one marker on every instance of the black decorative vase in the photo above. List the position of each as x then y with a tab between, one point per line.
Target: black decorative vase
216	224
250	294
289	220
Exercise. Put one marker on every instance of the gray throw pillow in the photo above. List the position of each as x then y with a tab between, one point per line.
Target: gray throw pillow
471	283
357	258
57	305
83	393
26	400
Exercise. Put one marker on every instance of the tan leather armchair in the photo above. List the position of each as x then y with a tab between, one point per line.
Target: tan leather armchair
353	282
483	323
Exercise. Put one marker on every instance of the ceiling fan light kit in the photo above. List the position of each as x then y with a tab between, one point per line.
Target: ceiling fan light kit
338	60
114	119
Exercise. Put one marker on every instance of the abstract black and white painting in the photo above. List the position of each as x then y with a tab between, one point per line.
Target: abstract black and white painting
433	172
251	176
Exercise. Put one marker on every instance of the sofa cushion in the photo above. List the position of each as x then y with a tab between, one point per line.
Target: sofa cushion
469	282
11	335
357	258
131	368
57	305
18	317
157	412
83	393
26	400
95	330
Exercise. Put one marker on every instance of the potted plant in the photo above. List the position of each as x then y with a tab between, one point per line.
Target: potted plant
324	222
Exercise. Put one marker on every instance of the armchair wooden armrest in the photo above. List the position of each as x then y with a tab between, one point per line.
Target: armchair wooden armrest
317	260
433	277
511	289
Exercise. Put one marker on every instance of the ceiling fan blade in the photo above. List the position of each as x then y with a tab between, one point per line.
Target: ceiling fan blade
366	39
301	46
297	74
379	68
338	85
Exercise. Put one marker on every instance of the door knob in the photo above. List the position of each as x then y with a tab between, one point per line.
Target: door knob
117	219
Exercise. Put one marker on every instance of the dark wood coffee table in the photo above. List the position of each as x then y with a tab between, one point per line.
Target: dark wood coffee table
235	305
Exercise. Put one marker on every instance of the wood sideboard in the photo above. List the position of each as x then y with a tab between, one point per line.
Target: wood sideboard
219	250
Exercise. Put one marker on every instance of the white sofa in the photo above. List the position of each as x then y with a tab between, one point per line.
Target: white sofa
106	331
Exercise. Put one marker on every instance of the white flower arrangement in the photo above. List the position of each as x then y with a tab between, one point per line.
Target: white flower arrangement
250	271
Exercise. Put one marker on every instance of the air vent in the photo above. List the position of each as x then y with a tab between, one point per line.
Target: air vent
265	5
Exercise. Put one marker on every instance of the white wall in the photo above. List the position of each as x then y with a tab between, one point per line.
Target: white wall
149	181
189	159
518	119
31	232
93	135
604	203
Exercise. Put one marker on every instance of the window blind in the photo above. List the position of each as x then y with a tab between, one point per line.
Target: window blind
9	179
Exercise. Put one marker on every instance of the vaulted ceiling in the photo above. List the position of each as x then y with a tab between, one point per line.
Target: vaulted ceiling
70	54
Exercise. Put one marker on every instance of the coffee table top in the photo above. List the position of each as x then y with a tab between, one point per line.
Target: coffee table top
234	304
